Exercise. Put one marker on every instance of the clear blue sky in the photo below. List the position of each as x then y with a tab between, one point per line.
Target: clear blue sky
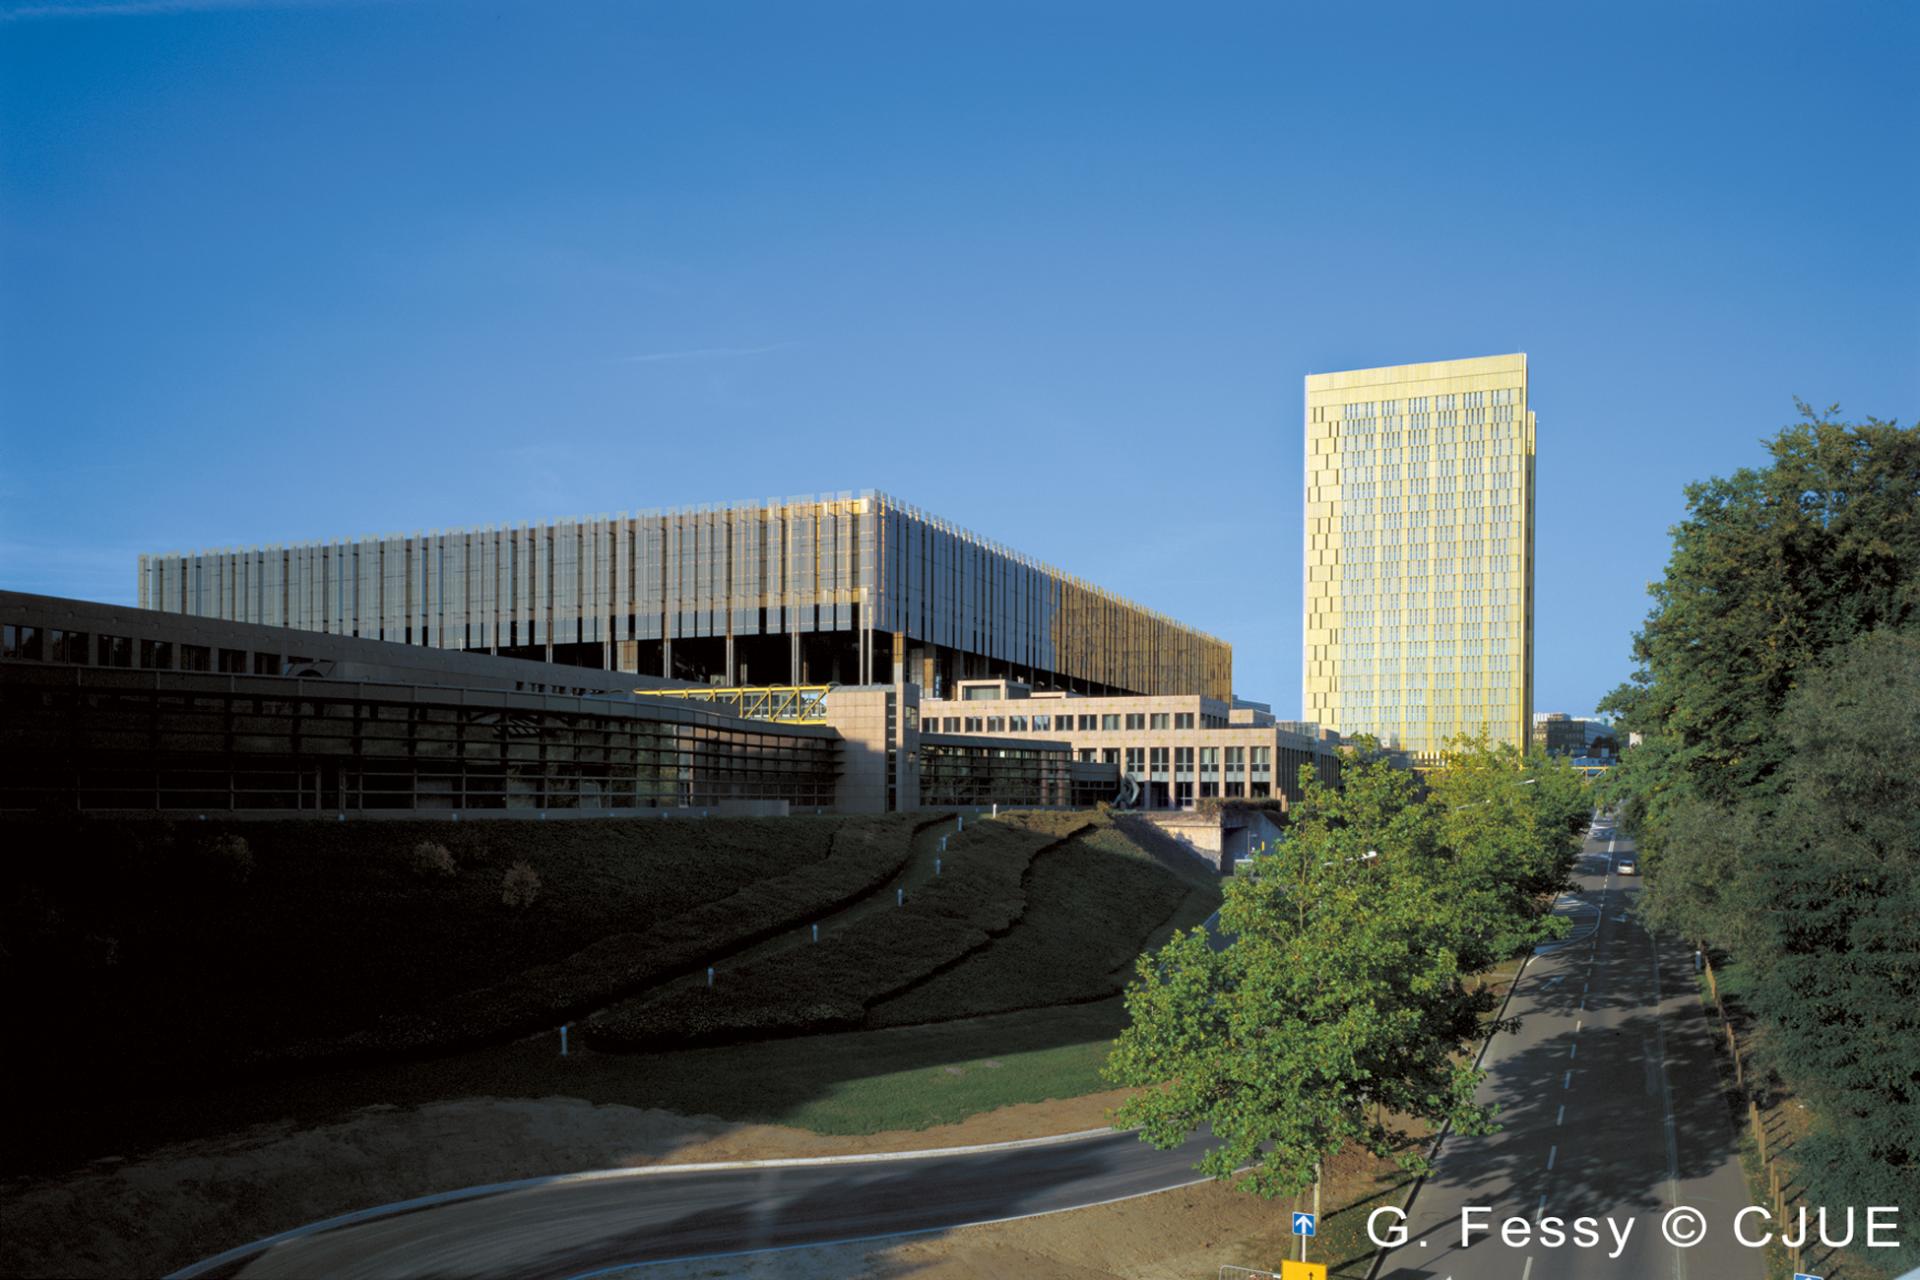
1055	271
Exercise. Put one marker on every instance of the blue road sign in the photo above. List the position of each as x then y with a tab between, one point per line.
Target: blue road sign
1801	1275
1303	1224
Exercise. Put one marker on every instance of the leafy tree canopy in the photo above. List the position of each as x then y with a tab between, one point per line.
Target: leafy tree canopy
1342	1007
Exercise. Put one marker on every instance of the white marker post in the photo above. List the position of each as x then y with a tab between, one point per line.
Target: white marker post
936	866
899	897
709	975
816	933
563	1039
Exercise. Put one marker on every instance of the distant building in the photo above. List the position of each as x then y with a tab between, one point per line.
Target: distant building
1164	752
1560	734
1419	552
849	589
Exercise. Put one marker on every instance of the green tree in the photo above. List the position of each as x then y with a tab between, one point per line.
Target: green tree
1339	1010
1771	568
1830	897
1775	790
1508	828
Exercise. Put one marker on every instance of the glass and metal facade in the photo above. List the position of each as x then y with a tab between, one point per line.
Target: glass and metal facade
852	589
83	738
1419	552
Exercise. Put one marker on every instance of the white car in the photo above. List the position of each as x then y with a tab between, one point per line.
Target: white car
1627	865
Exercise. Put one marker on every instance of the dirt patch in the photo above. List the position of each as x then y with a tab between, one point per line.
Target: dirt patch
1189	1232
192	1199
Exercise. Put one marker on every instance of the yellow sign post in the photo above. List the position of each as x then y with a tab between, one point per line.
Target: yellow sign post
1291	1270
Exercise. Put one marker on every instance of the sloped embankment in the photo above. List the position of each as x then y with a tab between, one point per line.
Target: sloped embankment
811	988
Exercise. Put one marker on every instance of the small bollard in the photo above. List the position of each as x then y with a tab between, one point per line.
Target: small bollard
899	897
959	822
816	933
709	975
1698	962
563	1039
936	866
943	844
996	811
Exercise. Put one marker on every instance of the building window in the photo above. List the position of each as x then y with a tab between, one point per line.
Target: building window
1016	724
1041	724
1087	755
1110	723
1137	761
1162	720
1135	721
266	664
114	651
195	657
20	642
1158	758
1183	720
996	724
67	646
1183	762
1087	724
1110	755
157	654
233	661
973	724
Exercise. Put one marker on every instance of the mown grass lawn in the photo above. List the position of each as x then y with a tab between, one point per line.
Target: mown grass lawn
898	1078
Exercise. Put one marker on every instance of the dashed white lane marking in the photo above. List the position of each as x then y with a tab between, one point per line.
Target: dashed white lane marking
1573	1051
1566	1081
1526	1270
1552	1152
1578	1023
1560	1116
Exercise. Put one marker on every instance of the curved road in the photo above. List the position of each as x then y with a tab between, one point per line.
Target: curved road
594	1223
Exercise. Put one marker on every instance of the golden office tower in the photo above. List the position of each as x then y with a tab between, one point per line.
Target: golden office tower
1419	552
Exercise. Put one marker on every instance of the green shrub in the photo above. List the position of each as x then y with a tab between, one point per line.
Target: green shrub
519	886
229	857
430	858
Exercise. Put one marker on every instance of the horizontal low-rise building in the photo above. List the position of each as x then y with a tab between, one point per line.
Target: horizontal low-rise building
106	709
851	589
1168	752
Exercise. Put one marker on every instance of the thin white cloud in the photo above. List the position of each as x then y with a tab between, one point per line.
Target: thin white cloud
704	353
142	8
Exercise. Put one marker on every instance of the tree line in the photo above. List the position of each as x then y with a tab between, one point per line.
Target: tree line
1776	789
1345	1003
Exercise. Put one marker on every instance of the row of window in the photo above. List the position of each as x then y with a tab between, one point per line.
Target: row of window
1135	721
80	648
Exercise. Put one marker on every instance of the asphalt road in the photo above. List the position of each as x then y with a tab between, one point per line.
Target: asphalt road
1611	1105
1608	1091
574	1228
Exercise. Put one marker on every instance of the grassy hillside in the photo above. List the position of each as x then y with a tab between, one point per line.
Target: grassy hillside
1093	904
827	987
135	946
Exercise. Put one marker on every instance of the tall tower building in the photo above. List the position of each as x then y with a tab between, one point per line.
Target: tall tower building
1419	552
